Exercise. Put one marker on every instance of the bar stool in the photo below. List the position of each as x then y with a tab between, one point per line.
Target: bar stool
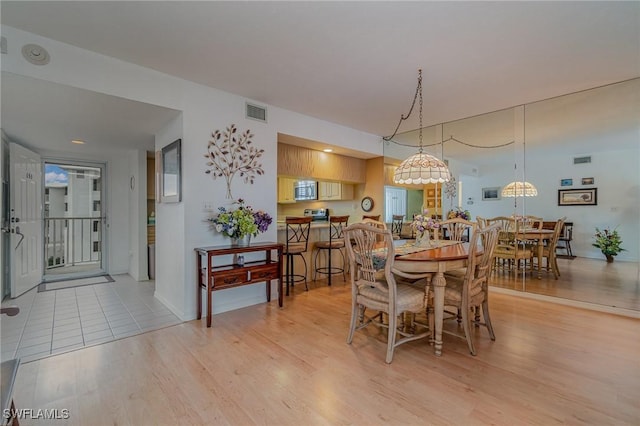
335	242
397	220
297	235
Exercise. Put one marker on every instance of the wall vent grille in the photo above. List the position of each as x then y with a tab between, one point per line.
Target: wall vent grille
256	112
582	160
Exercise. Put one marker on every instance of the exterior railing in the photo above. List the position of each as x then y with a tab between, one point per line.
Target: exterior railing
71	241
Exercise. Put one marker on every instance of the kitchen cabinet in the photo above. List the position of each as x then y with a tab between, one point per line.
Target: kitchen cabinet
286	192
331	191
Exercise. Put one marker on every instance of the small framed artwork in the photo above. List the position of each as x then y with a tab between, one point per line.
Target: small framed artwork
578	197
588	181
171	177
491	194
566	182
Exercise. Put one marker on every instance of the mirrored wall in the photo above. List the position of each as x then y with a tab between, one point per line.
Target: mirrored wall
581	151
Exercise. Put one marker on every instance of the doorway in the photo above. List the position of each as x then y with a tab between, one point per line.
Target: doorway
74	220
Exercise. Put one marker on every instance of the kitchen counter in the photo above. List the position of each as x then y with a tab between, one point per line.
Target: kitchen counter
321	224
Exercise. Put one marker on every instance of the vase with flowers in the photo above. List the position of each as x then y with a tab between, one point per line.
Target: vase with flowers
609	242
458	212
240	223
423	224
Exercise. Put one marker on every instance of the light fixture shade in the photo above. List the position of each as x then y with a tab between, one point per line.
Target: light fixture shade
519	189
421	168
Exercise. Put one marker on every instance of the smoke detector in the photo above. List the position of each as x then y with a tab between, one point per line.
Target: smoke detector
35	54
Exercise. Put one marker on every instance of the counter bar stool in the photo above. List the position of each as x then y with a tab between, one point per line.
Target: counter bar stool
335	242
297	243
397	220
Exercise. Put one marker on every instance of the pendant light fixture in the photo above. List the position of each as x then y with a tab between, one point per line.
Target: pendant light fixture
517	188
420	168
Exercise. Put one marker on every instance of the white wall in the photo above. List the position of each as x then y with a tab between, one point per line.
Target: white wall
617	179
138	266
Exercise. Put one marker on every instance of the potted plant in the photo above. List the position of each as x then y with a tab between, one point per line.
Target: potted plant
609	242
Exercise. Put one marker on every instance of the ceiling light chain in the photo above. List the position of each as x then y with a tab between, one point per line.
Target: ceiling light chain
420	168
402	117
451	138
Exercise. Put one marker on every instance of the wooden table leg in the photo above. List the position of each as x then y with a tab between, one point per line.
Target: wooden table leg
540	243
439	284
268	282
280	300
198	285
209	276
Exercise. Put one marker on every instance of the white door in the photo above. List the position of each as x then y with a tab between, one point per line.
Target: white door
395	202
25	219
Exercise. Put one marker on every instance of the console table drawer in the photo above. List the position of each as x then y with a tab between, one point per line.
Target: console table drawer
230	278
265	272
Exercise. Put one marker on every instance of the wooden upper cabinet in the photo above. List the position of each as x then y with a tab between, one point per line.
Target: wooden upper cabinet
334	191
298	161
286	193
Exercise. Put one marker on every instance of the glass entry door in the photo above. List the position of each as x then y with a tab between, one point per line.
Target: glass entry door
74	222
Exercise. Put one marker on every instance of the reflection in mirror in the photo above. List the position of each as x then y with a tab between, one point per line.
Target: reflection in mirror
582	150
582	145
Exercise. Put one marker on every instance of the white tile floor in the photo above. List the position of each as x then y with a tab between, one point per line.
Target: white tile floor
57	321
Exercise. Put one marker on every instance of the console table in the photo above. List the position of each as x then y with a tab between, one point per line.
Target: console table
214	277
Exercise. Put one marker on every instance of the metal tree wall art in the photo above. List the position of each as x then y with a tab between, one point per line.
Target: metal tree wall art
451	189
230	153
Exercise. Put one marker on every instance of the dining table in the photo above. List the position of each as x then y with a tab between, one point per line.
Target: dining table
538	235
444	256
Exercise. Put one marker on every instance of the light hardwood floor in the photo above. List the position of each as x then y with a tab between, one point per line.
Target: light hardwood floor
550	364
614	284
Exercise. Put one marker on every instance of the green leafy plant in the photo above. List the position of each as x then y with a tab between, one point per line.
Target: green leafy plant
608	241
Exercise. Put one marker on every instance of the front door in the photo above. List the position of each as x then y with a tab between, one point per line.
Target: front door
74	222
25	217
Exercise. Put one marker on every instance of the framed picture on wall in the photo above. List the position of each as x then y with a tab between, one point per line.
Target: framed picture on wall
587	181
491	194
578	197
566	182
171	176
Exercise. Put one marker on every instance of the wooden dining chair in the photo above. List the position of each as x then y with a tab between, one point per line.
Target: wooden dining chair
549	250
482	222
510	251
373	287
470	293
457	229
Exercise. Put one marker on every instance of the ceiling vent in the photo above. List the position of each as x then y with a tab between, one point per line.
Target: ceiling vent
582	160
35	54
256	112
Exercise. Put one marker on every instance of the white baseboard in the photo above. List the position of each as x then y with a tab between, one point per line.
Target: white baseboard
567	302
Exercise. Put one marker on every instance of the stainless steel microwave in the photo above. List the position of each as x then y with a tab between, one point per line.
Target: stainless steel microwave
305	190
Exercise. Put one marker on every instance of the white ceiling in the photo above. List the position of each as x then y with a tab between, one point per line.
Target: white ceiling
353	63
